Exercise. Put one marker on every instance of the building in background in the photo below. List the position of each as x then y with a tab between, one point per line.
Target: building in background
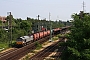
3	19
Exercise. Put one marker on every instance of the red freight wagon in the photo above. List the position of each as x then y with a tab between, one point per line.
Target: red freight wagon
60	28
35	36
44	33
41	34
48	32
43	29
54	29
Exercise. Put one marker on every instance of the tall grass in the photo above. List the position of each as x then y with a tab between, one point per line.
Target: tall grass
38	45
3	46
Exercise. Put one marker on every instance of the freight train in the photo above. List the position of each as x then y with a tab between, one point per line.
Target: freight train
36	36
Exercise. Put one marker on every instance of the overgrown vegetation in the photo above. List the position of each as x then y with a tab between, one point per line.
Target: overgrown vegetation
78	44
63	35
26	58
3	46
22	27
55	38
38	45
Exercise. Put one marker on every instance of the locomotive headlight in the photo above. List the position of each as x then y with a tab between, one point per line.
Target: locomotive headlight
23	42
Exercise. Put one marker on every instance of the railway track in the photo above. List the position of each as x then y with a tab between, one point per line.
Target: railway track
47	51
9	51
59	52
18	53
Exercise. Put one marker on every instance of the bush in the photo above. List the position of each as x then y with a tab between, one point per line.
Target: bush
60	35
3	46
38	45
13	44
55	38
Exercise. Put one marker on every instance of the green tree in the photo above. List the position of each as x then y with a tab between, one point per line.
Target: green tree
25	25
78	44
3	36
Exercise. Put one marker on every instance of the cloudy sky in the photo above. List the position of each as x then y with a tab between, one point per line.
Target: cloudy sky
59	9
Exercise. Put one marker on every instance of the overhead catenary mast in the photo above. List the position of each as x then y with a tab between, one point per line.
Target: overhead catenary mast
50	27
38	24
10	27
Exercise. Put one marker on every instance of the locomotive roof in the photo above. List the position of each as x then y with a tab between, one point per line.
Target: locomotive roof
24	37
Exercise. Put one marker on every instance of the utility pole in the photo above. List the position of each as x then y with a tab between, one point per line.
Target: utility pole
50	28
38	24
82	12
10	28
38	17
46	25
83	6
2	22
8	23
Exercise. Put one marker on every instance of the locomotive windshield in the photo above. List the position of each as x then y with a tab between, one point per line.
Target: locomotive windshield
19	39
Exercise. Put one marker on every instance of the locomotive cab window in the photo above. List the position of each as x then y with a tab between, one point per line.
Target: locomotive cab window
19	39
